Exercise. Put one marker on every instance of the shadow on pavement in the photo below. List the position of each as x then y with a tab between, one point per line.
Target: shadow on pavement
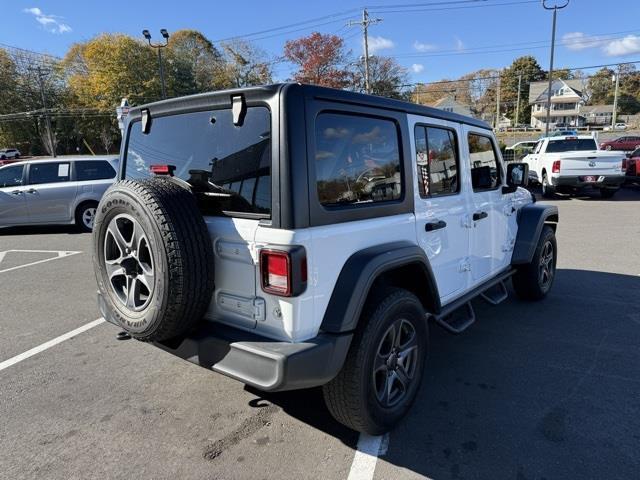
531	391
628	193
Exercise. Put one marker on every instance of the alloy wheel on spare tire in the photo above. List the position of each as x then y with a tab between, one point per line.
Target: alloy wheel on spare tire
153	258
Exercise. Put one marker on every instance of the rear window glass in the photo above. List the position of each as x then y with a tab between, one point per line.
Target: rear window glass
579	144
94	170
228	166
357	160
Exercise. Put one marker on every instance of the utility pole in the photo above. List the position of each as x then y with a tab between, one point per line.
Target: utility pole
518	100
555	9
364	23
615	100
497	103
159	47
52	145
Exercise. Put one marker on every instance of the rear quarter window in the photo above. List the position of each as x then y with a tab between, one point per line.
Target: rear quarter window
94	170
357	160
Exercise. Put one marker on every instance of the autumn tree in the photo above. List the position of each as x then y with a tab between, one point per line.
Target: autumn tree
245	65
386	77
321	59
530	71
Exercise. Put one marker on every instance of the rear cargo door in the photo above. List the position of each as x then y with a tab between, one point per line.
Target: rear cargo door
227	165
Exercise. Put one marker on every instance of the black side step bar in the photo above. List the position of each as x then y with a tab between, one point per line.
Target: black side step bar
496	294
452	321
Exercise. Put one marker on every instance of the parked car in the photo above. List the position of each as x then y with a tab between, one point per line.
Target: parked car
293	236
573	164
622	143
631	166
562	133
54	191
517	151
617	126
8	155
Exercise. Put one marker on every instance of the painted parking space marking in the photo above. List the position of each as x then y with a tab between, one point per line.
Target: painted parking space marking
58	254
51	343
366	457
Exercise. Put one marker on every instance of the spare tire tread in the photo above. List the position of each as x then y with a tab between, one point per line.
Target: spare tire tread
188	249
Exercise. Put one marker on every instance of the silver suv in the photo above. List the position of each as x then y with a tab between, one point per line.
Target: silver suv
54	191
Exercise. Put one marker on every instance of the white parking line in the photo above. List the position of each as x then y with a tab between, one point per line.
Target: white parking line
49	344
59	254
366	457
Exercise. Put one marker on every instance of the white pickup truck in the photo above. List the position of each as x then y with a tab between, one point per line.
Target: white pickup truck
569	164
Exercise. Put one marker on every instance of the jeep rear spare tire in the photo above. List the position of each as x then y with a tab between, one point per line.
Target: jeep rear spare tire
153	258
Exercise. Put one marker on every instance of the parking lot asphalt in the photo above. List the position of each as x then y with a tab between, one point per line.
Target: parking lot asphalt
531	391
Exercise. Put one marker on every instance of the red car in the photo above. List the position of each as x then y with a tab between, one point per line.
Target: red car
622	143
631	165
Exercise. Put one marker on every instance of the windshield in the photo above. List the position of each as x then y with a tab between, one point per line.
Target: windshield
227	166
571	145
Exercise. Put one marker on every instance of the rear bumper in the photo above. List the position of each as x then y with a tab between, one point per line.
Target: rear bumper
575	182
258	361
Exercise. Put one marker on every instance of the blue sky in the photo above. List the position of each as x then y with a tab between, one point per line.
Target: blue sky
431	41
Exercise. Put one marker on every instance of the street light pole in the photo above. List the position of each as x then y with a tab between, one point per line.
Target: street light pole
159	47
555	9
614	117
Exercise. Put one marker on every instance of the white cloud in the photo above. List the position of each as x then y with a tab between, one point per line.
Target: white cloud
423	47
611	47
626	46
459	45
51	23
380	43
417	68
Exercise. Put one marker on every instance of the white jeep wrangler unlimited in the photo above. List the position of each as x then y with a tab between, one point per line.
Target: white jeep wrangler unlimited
294	236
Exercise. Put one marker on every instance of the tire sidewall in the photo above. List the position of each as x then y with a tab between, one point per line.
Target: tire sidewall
547	235
115	202
409	308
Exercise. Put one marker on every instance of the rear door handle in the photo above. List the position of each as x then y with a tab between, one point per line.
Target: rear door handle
479	216
431	226
16	192
32	190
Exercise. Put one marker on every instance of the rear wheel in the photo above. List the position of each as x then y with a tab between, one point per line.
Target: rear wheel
85	216
534	280
548	191
381	376
608	192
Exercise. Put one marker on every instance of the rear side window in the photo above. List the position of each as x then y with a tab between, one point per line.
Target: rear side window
11	176
94	170
55	172
437	161
357	160
485	167
228	166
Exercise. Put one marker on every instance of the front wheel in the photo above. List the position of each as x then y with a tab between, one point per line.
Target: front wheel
533	280
381	376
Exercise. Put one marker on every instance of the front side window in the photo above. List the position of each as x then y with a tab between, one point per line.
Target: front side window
54	172
357	160
11	176
227	166
485	167
94	170
437	161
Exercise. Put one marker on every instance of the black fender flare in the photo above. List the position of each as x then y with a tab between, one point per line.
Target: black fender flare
531	220
358	275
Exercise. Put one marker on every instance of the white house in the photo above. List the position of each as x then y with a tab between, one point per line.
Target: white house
568	98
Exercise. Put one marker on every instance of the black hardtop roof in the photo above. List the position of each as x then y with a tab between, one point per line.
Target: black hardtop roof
322	93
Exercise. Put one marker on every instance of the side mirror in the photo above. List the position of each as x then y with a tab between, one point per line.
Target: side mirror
517	176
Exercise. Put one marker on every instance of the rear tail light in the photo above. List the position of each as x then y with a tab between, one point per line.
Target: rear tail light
556	167
624	165
283	272
162	169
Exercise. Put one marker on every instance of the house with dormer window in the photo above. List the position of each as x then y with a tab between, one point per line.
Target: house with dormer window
568	98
